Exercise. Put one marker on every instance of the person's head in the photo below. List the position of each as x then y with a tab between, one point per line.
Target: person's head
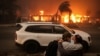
78	39
66	36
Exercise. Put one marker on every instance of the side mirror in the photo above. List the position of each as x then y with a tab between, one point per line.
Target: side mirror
73	31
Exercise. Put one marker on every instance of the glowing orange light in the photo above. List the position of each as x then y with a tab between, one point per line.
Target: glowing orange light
78	20
86	16
73	18
64	19
78	16
41	12
36	18
43	19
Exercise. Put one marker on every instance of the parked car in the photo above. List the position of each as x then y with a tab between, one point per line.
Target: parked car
32	35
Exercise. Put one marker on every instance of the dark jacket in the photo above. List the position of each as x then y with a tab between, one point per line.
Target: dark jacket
52	49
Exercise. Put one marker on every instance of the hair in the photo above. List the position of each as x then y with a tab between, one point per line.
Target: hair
83	42
78	38
66	35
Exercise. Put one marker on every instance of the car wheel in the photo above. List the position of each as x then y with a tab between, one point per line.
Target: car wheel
31	46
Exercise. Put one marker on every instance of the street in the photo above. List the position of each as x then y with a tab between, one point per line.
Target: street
7	36
95	33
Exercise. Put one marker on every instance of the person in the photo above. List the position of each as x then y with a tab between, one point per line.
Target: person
51	49
70	46
63	46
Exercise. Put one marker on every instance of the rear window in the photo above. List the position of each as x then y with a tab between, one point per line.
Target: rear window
18	27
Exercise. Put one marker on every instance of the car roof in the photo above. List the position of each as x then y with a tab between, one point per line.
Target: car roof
38	23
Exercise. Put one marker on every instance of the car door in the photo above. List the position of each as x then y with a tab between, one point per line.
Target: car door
47	35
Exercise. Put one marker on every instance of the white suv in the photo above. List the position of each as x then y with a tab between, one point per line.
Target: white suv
32	35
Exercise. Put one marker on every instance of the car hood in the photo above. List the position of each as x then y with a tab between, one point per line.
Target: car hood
82	33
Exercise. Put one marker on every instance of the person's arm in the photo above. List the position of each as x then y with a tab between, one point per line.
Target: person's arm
71	46
62	50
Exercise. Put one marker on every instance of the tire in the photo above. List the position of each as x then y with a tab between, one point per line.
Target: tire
31	46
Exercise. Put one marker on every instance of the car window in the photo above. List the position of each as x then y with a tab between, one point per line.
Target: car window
69	29
59	30
39	29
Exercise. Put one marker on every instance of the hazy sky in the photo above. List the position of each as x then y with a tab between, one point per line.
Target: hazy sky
50	6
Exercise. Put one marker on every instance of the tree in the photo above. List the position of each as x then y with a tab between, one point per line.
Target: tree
64	7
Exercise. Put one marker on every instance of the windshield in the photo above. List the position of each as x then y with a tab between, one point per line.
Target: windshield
69	29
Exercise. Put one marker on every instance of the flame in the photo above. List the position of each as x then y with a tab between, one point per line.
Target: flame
35	18
73	18
64	19
41	12
76	18
43	19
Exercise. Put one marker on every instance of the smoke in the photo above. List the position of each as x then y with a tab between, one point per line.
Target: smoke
51	6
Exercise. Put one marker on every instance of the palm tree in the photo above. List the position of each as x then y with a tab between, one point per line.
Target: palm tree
64	7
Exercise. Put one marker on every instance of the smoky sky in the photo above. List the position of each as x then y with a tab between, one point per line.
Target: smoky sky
51	6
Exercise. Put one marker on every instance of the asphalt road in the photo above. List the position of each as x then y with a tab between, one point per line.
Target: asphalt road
95	33
7	39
